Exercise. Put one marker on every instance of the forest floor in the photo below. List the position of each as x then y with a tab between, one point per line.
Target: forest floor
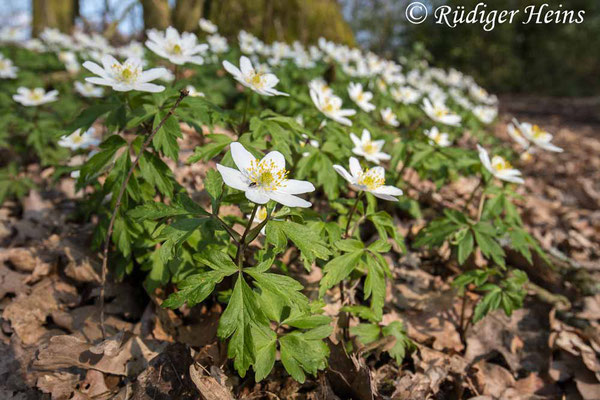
51	344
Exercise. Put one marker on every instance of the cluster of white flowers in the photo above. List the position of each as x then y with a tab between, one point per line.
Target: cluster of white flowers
328	103
7	68
444	96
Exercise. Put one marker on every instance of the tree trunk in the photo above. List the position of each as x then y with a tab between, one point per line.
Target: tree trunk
186	15
156	14
53	14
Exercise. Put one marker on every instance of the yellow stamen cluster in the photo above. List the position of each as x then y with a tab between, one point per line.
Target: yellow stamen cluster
176	49
125	73
266	175
329	106
369	148
256	80
500	164
371	179
538	132
36	96
76	138
440	112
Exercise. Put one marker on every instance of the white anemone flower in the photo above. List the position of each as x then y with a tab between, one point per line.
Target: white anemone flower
261	215
320	86
260	82
88	90
481	95
437	138
218	44
389	117
207	26
331	107
264	180
370	180
499	167
369	149
7	68
537	136
78	140
440	113
175	47
485	114
405	94
517	136
34	97
192	92
361	97
124	77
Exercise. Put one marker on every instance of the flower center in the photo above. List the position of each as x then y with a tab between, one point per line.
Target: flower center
371	179
126	73
500	164
256	80
538	132
440	112
360	97
266	175
329	107
36	96
77	139
369	148
176	49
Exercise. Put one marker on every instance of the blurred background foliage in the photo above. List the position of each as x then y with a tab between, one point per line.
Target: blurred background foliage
552	59
549	59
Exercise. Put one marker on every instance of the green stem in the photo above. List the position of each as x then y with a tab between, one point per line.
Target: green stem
245	114
351	214
239	256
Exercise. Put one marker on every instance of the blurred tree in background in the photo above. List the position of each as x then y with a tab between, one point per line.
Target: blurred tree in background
283	20
551	59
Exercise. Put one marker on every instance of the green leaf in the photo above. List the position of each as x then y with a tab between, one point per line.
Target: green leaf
265	342
165	139
402	343
153	211
218	261
211	149
236	321
349	245
465	247
157	173
301	352
304	238
288	289
488	246
366	333
194	289
338	269
375	286
214	186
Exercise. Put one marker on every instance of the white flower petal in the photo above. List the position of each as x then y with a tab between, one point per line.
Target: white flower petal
257	196
293	186
342	171
289	200
241	157
233	177
277	158
355	168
